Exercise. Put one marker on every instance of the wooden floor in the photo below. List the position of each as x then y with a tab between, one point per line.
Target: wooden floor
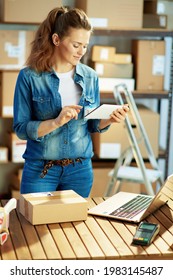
95	238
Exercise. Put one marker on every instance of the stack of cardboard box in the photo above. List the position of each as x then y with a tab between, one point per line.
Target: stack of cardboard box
110	64
112	67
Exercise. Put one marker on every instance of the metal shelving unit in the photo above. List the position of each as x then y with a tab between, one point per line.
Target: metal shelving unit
145	33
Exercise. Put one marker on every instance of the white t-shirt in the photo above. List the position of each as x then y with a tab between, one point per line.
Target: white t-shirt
70	91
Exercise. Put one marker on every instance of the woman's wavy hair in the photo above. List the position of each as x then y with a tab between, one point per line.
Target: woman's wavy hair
59	21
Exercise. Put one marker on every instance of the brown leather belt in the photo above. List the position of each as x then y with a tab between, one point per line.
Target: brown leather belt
61	162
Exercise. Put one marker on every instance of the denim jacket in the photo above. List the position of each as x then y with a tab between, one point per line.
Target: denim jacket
37	99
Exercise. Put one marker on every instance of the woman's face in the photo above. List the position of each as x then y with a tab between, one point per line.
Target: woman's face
71	48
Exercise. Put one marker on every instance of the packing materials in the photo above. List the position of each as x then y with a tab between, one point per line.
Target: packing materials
53	207
4	219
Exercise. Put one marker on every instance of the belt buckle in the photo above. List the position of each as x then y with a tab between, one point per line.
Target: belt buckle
65	162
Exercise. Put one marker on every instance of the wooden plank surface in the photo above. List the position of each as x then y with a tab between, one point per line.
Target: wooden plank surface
75	241
89	241
62	242
102	238
95	238
33	241
47	242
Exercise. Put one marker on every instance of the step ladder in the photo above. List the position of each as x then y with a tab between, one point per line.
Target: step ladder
123	169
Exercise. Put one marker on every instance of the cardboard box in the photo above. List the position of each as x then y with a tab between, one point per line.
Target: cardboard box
24	11
103	53
113	13
112	70
3	154
7	87
17	148
108	84
53	207
105	144
154	21
14	48
122	58
149	64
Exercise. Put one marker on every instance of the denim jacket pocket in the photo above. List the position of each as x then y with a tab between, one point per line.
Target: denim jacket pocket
42	107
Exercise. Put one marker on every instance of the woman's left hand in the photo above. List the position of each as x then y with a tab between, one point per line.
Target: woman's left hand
119	115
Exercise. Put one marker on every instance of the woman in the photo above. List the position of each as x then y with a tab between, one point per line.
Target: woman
52	94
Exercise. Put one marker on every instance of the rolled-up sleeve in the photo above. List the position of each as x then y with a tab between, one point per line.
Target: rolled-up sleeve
93	126
32	131
23	125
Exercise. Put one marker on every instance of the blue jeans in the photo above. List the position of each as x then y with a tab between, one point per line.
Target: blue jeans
77	177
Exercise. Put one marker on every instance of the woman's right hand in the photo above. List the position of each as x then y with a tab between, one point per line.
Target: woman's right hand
68	113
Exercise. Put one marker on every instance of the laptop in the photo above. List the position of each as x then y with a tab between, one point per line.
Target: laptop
133	207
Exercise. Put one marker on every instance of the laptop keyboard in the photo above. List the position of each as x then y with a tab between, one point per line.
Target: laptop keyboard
132	207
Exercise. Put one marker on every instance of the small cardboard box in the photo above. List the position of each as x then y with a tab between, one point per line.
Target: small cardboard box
103	53
53	207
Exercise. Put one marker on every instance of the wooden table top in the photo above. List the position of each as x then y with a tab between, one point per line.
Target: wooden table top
95	238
